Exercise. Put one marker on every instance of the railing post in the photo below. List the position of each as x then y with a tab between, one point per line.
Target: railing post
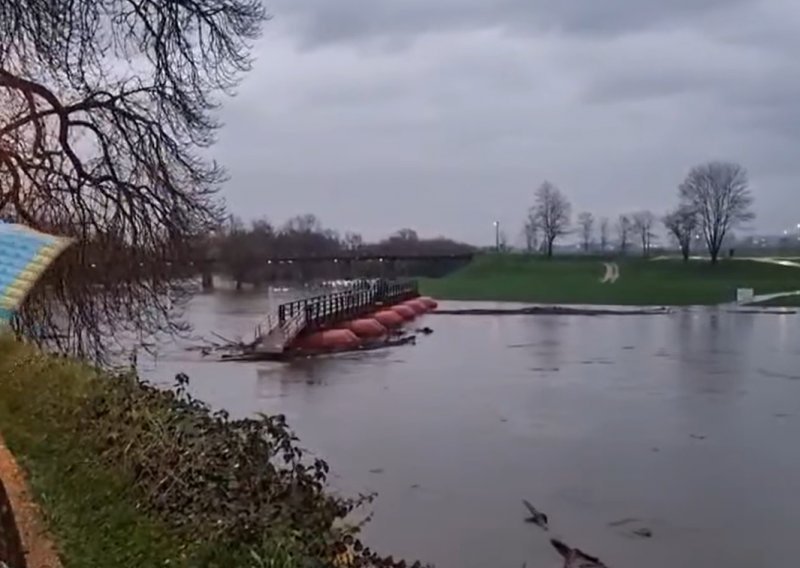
354	302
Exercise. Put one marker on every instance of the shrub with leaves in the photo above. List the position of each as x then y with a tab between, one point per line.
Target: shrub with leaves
228	489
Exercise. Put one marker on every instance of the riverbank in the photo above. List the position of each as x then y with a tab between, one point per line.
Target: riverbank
169	482
584	280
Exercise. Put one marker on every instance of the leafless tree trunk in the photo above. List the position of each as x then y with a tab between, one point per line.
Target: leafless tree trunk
719	193
552	212
502	242
623	233
353	241
586	225
604	229
682	224
531	232
106	151
643	223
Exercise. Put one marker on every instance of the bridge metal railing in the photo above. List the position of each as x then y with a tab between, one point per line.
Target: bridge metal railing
319	311
331	308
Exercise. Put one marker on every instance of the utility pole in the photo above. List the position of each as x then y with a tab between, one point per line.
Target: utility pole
497	236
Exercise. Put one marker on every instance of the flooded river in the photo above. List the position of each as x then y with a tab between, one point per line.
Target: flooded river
686	423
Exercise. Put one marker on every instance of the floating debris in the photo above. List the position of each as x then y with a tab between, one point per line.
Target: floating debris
777	375
643	532
576	558
623	522
553	311
640	531
698	437
537	517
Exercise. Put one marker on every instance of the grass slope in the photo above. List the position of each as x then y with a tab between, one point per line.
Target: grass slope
132	476
577	281
89	509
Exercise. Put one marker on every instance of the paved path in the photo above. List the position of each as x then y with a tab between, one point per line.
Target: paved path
761	298
612	273
40	551
778	261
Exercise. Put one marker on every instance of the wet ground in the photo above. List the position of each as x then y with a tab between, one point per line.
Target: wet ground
685	424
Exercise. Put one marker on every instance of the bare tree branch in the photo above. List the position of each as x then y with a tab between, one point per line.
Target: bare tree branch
719	193
642	224
552	211
586	226
104	106
623	228
604	233
530	231
682	225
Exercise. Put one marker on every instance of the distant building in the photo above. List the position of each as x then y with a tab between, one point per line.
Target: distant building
786	240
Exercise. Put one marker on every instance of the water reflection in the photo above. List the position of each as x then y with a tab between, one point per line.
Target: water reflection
686	422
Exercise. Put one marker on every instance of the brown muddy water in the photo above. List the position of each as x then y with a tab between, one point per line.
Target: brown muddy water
685	424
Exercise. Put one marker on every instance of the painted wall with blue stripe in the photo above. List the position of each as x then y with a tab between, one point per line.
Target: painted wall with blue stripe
24	256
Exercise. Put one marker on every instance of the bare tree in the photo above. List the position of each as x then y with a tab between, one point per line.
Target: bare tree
624	233
233	250
531	232
719	193
408	235
353	241
307	223
586	226
552	212
502	242
642	226
604	233
104	106
682	224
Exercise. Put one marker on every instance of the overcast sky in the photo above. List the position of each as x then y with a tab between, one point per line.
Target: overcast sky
445	115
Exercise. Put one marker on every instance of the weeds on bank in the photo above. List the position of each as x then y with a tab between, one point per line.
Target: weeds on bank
130	475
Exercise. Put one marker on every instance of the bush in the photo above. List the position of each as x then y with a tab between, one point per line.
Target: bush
232	492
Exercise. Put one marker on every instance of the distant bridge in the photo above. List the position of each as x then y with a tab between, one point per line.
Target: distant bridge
388	262
352	257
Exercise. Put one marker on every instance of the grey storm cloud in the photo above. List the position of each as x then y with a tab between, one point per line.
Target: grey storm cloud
444	116
345	20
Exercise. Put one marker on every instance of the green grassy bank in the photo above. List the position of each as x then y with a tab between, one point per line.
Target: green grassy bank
131	476
521	278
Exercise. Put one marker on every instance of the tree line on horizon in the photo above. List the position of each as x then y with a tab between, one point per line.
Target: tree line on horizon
242	249
713	199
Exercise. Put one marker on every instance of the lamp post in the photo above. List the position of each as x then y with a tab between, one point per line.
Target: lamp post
497	236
